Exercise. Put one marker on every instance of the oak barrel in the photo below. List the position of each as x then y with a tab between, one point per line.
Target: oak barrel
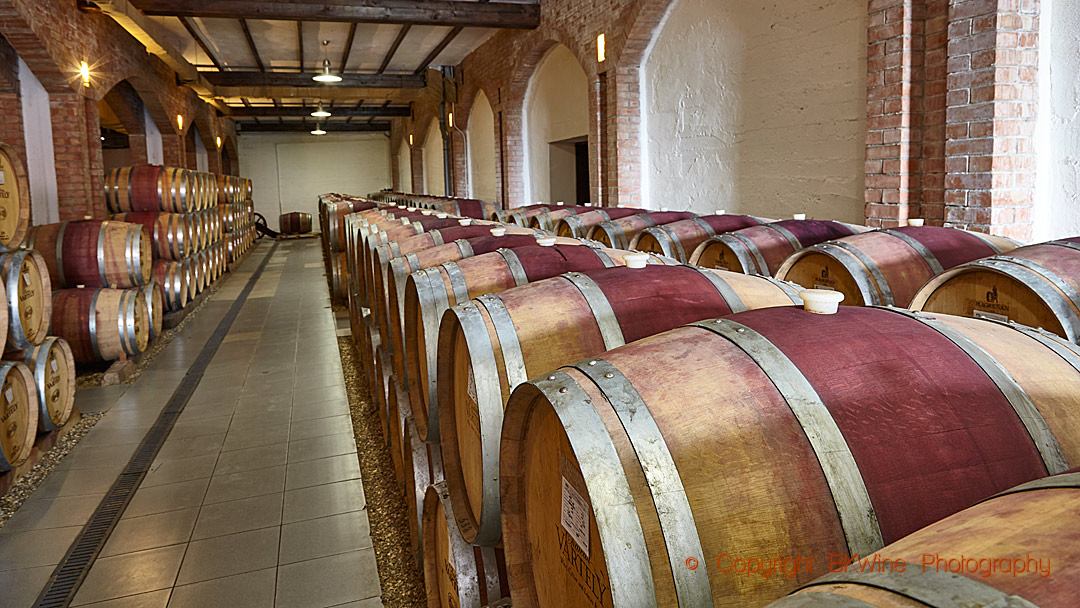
547	219
172	276
14	198
53	369
94	253
154	296
456	573
149	188
1037	286
679	239
170	232
887	267
423	467
339	275
619	233
101	324
579	225
295	223
762	249
29	298
334	221
18	414
490	345
762	439
1015	549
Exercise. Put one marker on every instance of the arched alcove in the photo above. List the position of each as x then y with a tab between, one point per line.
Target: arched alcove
481	132
434	171
557	130
405	167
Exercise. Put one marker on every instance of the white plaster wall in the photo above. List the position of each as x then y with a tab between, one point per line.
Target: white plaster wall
155	151
481	133
405	168
40	159
202	159
757	106
434	172
556	108
1057	201
290	171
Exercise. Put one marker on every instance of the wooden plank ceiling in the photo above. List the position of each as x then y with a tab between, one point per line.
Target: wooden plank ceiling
260	56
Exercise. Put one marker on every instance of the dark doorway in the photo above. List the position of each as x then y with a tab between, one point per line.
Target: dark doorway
569	171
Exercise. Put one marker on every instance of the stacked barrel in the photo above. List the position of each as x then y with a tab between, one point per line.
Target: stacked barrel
197	223
575	423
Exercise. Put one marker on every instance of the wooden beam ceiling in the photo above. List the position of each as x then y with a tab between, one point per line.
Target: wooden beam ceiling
285	79
299	127
430	12
438	49
251	44
404	31
373	111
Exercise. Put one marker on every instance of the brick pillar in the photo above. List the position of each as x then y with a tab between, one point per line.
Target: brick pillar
992	83
416	161
623	152
934	105
95	163
395	171
137	145
598	147
459	151
71	148
172	149
11	129
512	183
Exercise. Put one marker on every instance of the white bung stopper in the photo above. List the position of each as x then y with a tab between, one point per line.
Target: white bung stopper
636	260
498	232
821	301
721	212
465	221
546	241
916	222
441	216
799	216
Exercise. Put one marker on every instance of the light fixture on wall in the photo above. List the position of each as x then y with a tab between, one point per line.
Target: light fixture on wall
320	112
217	140
410	139
325	75
601	48
84	73
450	120
180	121
318	130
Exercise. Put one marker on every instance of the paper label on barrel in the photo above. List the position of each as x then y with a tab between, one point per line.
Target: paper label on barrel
26	278
1	178
52	363
993	316
575	516
822	286
9	395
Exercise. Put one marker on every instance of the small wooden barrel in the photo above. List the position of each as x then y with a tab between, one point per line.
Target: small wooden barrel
94	253
53	369
887	267
18	414
580	224
29	298
1014	549
101	324
762	249
456	573
490	345
547	219
170	232
295	223
1037	286
14	199
151	188
679	239
154	296
752	437
619	233
423	467
172	277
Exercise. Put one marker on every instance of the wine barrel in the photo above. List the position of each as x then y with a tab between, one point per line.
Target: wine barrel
53	368
887	267
18	414
339	275
295	223
619	233
504	215
1008	550
455	573
101	324
760	438
580	224
154	296
490	345
423	466
1037	286
762	249
94	253
334	223
14	199
29	298
226	190
547	219
170	232
679	239
151	188
197	279
172	276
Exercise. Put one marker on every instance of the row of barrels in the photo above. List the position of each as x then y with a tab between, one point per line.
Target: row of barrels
461	207
170	189
517	490
37	391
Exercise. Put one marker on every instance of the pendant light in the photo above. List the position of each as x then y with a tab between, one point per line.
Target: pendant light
325	75
321	113
318	130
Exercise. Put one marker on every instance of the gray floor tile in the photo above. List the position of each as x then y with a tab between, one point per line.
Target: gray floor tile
203	411
53	513
196	428
319	381
318	395
322	447
260	419
103	435
35	548
19	588
252	458
245	484
314	538
191	446
77	482
154	599
320	427
130	574
248	590
171	497
227	555
323	500
241	439
104	456
326	409
324	470
164	472
328	581
224	518
151	531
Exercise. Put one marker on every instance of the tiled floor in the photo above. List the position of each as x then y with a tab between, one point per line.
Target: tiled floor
255	498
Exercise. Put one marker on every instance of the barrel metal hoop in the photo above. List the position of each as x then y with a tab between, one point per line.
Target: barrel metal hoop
38	356
513	264
675	248
605	259
414	263
18	332
857	516
741	251
1039	431
436	238
991	244
131	255
1070	245
489	402
490	575
457	282
612	503
60	254
92	318
709	230
755	253
576	227
1051	277
662	238
1065	481
726	291
665	484
882	294
819	599
603	214
929	586
464	248
787	234
931	259
610	330
101	254
616	235
464	559
395	250
428	284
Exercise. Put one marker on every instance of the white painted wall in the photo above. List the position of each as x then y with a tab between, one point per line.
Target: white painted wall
40	159
1057	200
202	159
757	106
405	168
481	133
290	171
155	151
556	108
434	171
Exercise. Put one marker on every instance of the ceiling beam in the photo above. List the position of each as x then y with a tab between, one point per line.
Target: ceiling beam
251	45
263	112
438	49
511	15
300	43
404	31
285	79
348	48
299	127
199	41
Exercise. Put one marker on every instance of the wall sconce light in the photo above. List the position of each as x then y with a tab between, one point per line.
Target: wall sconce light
410	139
84	72
601	48
180	121
217	140
450	119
